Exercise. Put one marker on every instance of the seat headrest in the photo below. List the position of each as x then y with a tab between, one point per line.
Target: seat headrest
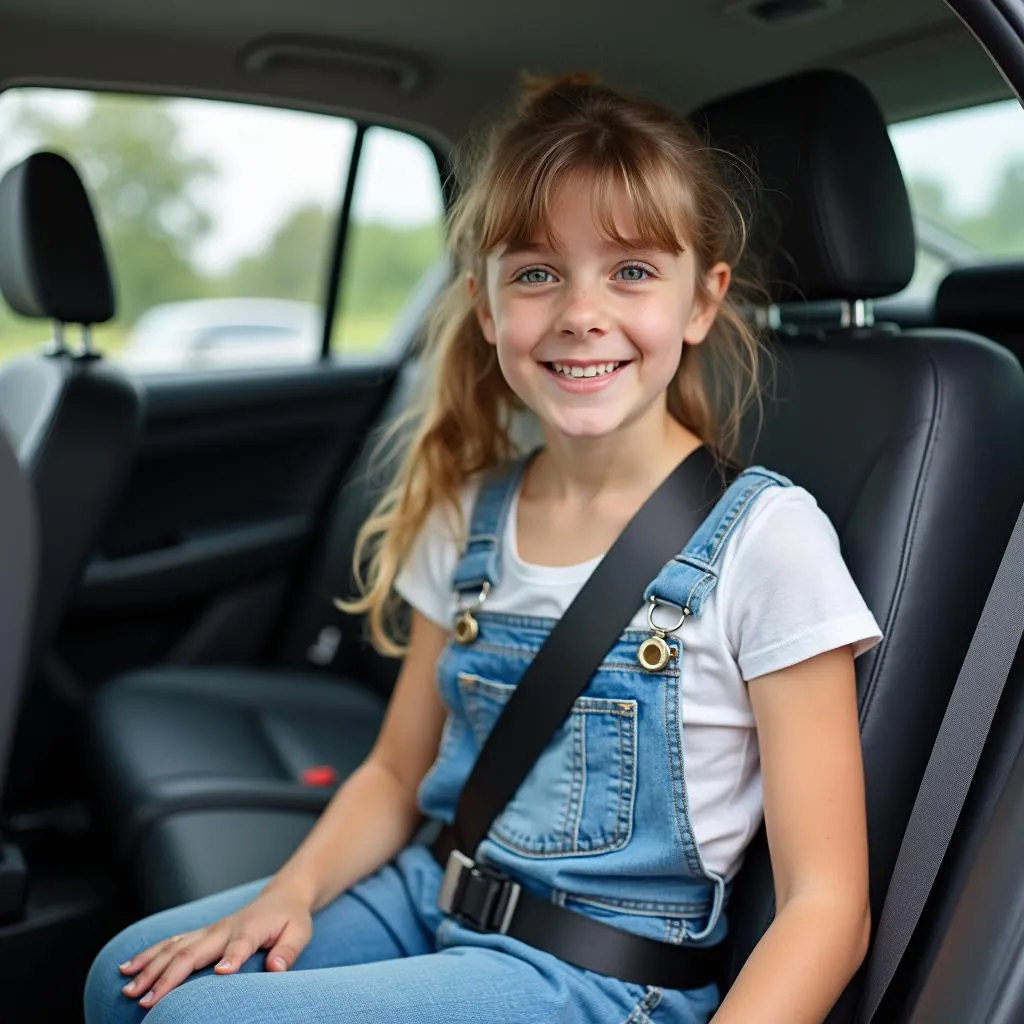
833	218
986	299
52	262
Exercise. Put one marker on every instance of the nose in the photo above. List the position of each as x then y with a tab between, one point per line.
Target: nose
582	312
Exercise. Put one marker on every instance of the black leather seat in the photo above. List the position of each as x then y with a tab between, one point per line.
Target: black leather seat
74	420
889	430
988	299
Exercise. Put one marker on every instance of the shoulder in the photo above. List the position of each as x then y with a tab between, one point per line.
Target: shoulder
786	590
783	519
424	578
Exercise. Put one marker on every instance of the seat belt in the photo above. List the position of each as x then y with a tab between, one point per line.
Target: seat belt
947	778
486	899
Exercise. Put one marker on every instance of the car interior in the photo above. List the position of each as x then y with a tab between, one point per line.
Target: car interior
180	694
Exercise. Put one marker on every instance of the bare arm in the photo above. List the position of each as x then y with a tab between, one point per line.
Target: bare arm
374	814
817	833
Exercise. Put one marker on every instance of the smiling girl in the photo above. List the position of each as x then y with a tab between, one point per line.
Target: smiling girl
595	291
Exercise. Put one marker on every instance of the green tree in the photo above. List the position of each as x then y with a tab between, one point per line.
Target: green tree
384	262
294	263
928	198
999	229
143	185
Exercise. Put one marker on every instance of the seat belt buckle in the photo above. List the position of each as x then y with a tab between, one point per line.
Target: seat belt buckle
480	897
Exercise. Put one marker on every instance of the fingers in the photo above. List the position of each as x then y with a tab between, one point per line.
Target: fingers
290	943
173	964
242	946
140	960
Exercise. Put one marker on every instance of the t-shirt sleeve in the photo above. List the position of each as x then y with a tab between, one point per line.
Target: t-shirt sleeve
424	580
788	594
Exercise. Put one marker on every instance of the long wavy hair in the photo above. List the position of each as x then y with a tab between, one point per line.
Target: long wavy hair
677	195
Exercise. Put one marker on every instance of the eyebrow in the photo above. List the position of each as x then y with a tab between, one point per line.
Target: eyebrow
627	245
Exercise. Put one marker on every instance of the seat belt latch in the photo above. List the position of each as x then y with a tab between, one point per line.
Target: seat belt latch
480	897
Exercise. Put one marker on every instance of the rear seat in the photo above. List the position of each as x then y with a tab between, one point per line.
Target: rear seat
888	430
987	299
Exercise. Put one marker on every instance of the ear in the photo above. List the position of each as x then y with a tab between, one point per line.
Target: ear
478	296
705	308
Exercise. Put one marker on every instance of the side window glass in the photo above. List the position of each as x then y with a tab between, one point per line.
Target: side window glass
965	174
394	255
219	221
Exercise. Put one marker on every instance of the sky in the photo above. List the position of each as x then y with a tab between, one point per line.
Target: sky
271	161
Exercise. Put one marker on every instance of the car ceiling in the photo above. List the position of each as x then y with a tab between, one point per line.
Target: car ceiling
915	54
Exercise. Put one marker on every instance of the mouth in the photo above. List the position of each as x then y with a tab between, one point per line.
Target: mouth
578	371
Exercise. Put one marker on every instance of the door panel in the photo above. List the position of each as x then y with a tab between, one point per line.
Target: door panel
231	482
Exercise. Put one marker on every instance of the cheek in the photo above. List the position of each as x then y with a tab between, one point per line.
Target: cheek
657	329
519	326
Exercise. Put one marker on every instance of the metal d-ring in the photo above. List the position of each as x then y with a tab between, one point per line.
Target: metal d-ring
654	653
653	604
466	628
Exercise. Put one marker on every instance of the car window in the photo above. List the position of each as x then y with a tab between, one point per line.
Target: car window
395	239
220	221
965	173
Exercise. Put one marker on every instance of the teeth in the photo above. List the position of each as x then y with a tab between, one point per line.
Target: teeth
593	370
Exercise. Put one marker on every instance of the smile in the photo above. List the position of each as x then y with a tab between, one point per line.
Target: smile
577	371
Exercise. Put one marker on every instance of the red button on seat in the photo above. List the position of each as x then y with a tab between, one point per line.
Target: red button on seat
319	775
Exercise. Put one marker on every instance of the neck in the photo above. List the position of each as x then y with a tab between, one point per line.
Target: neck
632	461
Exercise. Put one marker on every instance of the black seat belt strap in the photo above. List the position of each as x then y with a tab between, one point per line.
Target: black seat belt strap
951	767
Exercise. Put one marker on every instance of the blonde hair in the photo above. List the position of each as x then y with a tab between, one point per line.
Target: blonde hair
677	196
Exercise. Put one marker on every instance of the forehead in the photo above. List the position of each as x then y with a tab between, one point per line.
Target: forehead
584	204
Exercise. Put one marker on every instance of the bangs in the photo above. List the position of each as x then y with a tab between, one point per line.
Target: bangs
660	213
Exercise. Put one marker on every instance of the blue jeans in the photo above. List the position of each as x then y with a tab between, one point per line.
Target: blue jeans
382	952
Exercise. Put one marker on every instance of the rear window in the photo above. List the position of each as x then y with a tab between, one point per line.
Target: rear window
221	223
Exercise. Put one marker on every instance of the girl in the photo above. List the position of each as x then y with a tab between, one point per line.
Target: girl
594	249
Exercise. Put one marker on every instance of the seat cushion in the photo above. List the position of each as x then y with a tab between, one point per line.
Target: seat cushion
183	739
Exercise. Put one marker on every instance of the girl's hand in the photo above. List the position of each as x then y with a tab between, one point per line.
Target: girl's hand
276	920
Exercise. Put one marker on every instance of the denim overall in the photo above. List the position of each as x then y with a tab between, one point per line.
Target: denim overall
600	825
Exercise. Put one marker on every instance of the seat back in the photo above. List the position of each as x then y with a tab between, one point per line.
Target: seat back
74	420
988	299
903	437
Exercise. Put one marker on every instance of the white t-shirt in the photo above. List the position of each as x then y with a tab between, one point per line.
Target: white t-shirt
784	595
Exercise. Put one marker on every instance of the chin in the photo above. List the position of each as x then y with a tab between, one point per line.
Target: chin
590	427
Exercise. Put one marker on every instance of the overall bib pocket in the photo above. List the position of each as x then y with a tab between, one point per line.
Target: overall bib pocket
578	798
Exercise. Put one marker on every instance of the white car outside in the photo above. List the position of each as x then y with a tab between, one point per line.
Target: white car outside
208	334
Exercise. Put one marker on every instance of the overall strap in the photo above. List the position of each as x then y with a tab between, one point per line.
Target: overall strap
689	578
479	567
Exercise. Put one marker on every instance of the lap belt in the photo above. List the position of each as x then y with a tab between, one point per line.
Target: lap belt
486	899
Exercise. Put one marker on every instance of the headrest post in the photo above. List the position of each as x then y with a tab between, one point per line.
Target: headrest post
768	317
87	348
59	344
859	313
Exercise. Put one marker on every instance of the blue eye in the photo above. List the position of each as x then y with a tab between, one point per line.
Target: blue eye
634	273
535	275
